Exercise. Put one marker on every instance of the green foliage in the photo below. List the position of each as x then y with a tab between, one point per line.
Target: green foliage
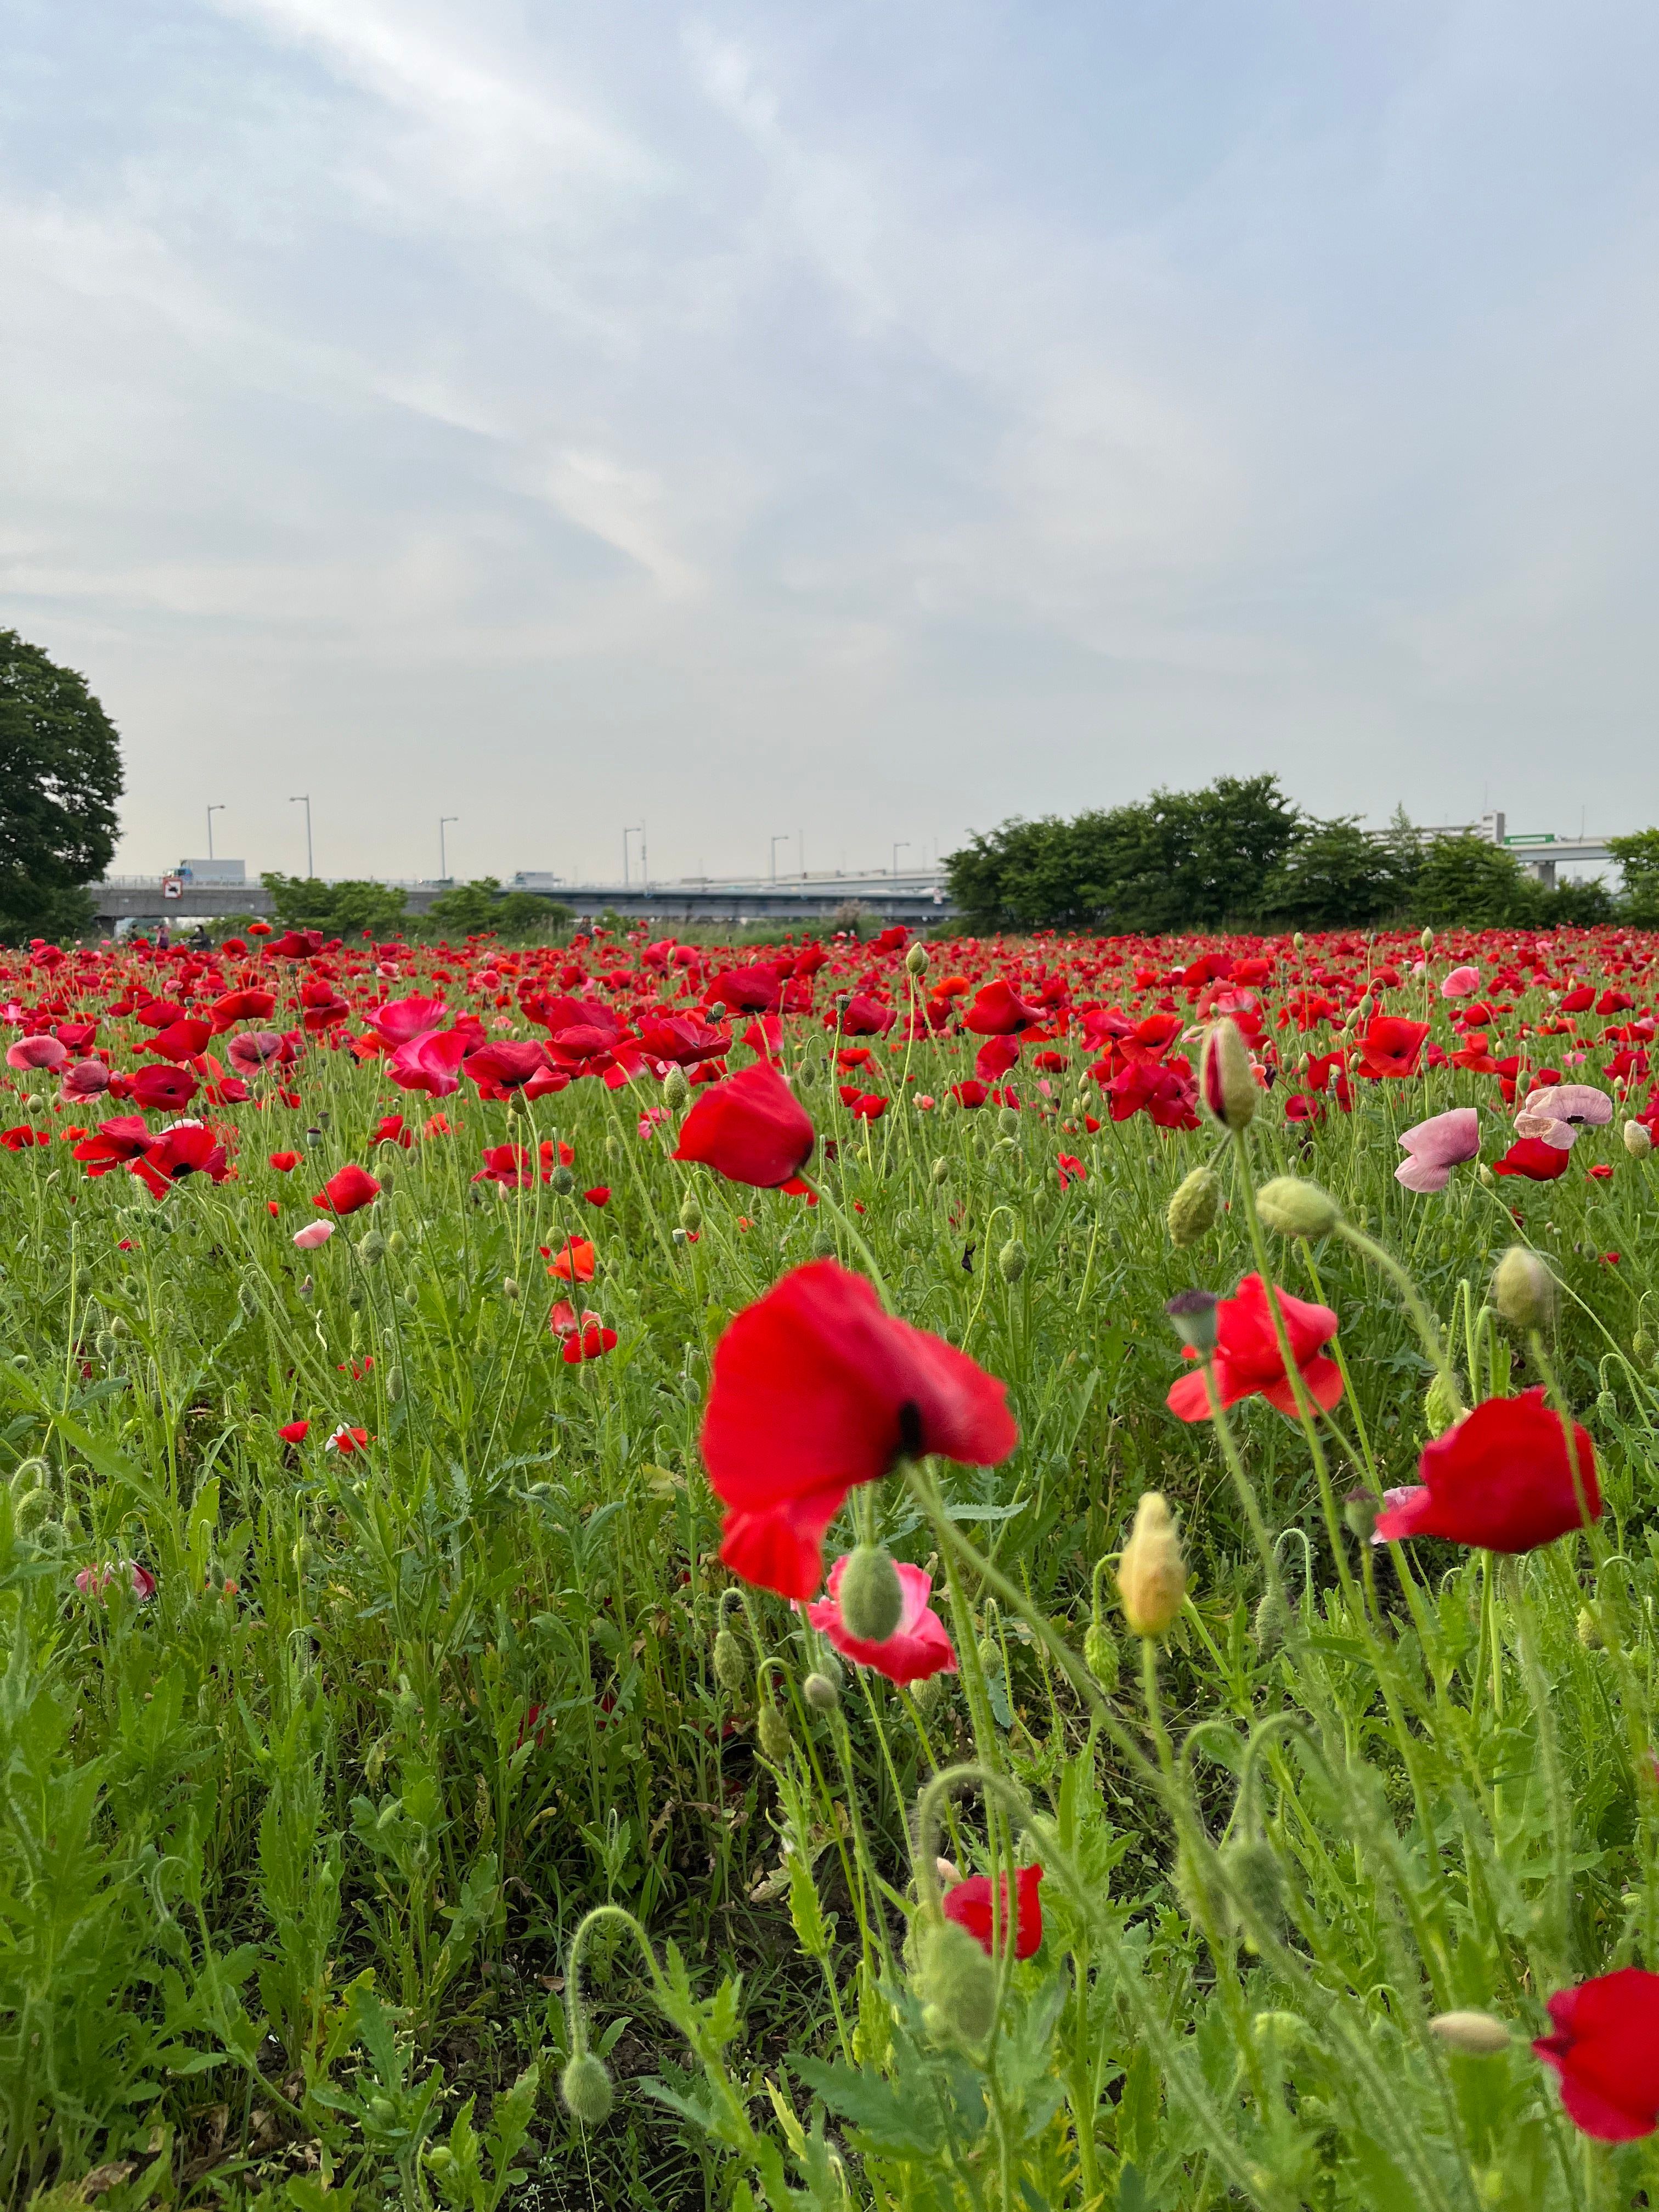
1638	857
1333	874
483	908
348	910
60	776
1468	880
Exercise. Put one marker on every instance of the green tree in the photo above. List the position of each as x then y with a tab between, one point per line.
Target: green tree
60	776
342	909
1465	879
481	908
1334	875
1638	857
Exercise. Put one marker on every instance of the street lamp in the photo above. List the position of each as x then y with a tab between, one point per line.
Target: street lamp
782	839
635	829
902	846
211	812
304	799
443	851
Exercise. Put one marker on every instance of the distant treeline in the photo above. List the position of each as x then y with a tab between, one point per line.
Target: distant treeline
1241	855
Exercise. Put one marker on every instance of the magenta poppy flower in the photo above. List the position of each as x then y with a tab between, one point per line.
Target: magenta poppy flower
918	1647
1437	1146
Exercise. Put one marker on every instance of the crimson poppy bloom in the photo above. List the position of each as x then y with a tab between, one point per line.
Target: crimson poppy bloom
507	1165
591	1341
348	1190
816	1390
250	1049
683	1039
20	1138
969	1904
116	1143
1391	1046
285	1163
754	990
750	1128
1072	1171
430	1062
179	1041
1248	1361
997	1011
1606	2050
1531	1156
187	1148
1499	1479
400	1021
917	1649
970	1094
346	1440
163	1089
863	1015
33	1052
295	1432
505	1065
248	1006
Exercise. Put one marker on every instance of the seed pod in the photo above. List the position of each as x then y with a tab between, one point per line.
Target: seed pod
717	1010
1152	1574
1193	1208
1010	1261
1359	1510
871	1598
1192	1316
1475	2034
1297	1208
774	1733
956	1983
305	1287
690	1213
1523	1290
676	1089
1226	1084
730	1671
820	1693
585	2085
1100	1654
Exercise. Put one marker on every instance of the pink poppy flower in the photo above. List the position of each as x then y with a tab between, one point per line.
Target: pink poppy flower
313	1234
1556	1114
32	1052
85	1080
918	1647
1460	982
1437	1146
92	1582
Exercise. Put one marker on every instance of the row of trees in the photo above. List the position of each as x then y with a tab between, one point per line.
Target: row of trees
60	776
1240	853
350	908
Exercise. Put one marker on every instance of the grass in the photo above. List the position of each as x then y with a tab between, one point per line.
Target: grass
295	1846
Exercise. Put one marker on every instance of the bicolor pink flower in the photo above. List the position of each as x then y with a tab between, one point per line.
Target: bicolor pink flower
1437	1146
1560	1111
918	1647
83	1081
315	1234
33	1052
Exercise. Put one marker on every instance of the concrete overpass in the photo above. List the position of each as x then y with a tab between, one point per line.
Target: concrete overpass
914	895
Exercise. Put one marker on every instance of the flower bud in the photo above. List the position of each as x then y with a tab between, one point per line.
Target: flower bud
1638	1140
388	1180
1589	1631
956	1983
774	1733
690	1213
1193	1208
729	1670
1152	1574
586	2088
1359	1510
676	1089
1010	1261
1441	1406
916	960
1607	1404
871	1601
1192	1316
823	1245
248	1299
1426	940
510	1289
562	1181
820	1693
1523	1290
394	1386
717	1010
1100	1654
1226	1083
1257	1882
941	1172
1476	2034
1297	1208
1008	1121
397	1244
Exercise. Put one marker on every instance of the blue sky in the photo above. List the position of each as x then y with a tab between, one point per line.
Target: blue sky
860	422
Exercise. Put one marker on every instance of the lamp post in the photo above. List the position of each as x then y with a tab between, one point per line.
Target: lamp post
211	812
443	850
902	846
304	799
635	829
781	839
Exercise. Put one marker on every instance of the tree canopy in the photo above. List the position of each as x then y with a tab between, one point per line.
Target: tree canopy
60	777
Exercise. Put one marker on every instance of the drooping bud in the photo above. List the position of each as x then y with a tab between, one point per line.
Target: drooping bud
941	1172
676	1089
397	1244
820	1693
1638	1139
729	1670
1226	1083
1257	1881
1475	2034
1359	1510
1010	1261
823	1245
1152	1574
1192	1316
1589	1631
1008	1121
870	1599
774	1733
690	1213
1273	1621
586	2088
371	1248
1441	1406
956	1983
1100	1654
248	1299
1193	1208
510	1289
394	1385
1296	1208
1523	1290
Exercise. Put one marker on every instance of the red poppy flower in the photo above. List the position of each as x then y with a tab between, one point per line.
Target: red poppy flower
252	1049
1391	1047
1533	1158
681	1038
863	1015
348	1190
187	1148
754	990
576	1261
815	1390
116	1143
1072	1171
390	1130
971	1093
163	1089
1169	1098
431	1062
20	1138
998	1011
969	1904
1248	1362
508	1165
592	1342
346	1440
249	1005
917	1649
750	1128
285	1163
505	1067
599	1196
295	1432
1606	2050
1499	1479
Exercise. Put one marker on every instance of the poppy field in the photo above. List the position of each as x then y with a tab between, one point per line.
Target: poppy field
969	1574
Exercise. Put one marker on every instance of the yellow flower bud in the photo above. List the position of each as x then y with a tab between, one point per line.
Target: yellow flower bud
1152	1574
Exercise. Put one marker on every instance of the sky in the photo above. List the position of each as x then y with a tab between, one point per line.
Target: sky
847	425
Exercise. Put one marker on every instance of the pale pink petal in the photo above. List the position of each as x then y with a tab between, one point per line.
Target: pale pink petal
313	1234
1460	982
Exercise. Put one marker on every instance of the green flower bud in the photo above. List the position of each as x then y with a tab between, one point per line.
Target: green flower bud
586	2088
956	1983
1474	2034
394	1385
411	1296
387	1179
926	1693
774	1733
1426	940
1607	1404
510	1289
1010	1261
717	1010
1152	1574
1441	1406
305	1287
1297	1208
1638	1143
916	960
941	1172
1256	1880
823	1245
676	1089
1589	1631
1193	1208
820	1693
1273	1621
1008	1121
562	1181
247	1297
690	1213
730	1671
990	1657
872	1601
1100	1654
614	1150
371	1250
397	1244
1523	1290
